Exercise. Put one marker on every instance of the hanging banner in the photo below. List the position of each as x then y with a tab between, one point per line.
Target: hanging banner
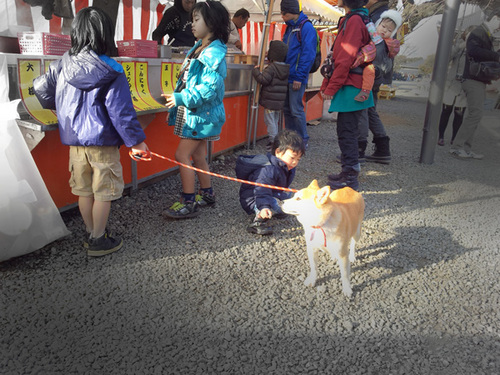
167	86
28	70
141	79
176	69
139	104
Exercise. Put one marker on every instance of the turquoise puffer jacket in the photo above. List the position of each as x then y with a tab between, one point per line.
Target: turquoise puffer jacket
204	93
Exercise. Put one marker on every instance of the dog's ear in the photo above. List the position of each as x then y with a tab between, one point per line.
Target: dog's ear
322	194
313	185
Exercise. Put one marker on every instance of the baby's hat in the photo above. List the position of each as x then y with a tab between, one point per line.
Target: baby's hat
394	16
277	51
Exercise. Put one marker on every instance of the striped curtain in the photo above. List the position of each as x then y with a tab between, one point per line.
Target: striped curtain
251	35
136	18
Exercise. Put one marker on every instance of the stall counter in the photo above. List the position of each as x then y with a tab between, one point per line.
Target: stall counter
51	157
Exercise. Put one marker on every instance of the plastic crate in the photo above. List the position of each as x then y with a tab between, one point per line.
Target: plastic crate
40	43
137	48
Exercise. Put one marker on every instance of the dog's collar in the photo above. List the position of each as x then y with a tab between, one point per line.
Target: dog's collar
322	230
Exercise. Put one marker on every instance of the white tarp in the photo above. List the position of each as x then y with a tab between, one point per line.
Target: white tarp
257	9
29	219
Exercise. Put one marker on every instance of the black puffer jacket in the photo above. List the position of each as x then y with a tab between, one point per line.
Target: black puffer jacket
176	22
479	47
274	81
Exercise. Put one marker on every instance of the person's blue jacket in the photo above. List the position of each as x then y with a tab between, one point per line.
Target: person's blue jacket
301	55
92	98
203	93
275	173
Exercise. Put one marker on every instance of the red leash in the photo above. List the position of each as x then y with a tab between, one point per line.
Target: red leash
324	234
146	156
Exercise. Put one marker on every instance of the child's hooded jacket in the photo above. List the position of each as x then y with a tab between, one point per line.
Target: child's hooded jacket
275	173
204	93
92	98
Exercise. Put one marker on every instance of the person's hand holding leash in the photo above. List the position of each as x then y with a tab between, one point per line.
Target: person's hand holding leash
140	151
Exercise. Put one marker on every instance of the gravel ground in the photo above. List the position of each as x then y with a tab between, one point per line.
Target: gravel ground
203	296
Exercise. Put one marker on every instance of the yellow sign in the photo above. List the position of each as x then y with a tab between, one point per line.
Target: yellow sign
28	71
176	70
141	79
167	86
46	64
139	104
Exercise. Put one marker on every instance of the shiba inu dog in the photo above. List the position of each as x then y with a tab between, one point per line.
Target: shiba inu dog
331	221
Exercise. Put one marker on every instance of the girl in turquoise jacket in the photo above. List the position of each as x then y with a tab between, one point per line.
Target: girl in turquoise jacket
196	108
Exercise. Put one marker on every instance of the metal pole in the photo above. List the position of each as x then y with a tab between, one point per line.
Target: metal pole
439	74
262	55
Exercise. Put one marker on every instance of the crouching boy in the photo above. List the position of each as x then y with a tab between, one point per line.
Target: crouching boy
276	168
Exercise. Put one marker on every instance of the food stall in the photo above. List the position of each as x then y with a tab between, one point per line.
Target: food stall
149	76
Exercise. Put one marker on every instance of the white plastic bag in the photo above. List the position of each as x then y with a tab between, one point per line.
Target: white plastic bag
29	219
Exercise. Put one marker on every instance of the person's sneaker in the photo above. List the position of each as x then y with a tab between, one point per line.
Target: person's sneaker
344	179
441	142
460	154
269	147
205	199
89	236
259	226
473	155
182	210
86	241
103	245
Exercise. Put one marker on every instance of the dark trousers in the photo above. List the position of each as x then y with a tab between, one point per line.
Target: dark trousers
370	120
445	116
347	133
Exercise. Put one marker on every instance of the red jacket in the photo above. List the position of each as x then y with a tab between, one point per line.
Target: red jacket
347	44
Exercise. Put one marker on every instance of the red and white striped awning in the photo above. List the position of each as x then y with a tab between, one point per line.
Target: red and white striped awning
136	20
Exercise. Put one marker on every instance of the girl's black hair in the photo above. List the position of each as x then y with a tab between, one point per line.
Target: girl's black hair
92	28
355	4
216	17
288	139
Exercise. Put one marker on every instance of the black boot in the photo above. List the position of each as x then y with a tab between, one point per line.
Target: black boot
344	179
382	152
362	148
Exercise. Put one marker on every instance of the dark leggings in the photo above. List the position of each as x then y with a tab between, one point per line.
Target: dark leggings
445	116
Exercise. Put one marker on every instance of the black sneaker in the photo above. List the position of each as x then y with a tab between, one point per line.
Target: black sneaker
259	226
205	199
181	210
269	146
103	245
344	179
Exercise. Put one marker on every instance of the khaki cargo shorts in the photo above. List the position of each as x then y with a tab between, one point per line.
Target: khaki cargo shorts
96	171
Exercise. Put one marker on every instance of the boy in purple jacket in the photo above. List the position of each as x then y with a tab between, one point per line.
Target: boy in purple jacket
96	116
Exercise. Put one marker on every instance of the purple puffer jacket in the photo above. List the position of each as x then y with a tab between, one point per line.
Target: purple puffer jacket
92	98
